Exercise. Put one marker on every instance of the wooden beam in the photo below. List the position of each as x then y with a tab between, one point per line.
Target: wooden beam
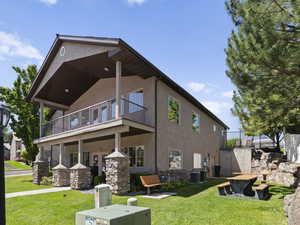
52	104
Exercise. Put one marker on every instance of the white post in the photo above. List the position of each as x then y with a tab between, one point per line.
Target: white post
41	117
118	88
118	142
80	156
61	147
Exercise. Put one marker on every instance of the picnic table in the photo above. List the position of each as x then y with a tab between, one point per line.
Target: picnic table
242	184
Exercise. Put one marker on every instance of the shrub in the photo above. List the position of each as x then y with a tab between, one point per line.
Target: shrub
50	173
135	181
231	143
98	180
46	181
173	185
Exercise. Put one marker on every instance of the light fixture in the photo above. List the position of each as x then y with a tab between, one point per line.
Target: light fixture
4	116
106	68
67	90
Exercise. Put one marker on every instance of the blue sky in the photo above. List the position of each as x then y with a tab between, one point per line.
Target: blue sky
185	39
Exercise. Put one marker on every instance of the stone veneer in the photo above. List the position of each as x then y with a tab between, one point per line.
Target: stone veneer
80	177
40	169
292	207
61	176
117	173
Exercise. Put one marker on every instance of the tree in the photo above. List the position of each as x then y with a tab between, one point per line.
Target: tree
25	116
263	62
8	135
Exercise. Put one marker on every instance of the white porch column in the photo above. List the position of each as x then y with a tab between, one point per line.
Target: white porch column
118	88
117	142
80	155
61	148
41	117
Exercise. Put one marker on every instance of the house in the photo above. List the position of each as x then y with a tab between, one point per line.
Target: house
16	147
6	151
109	98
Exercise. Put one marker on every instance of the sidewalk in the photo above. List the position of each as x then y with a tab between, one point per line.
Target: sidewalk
36	192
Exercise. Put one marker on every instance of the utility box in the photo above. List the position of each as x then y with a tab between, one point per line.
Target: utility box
103	195
115	215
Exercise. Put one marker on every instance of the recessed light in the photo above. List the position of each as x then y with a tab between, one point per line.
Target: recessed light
67	90
106	68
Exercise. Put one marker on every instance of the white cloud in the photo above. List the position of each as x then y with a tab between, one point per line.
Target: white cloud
217	107
11	45
198	87
49	2
227	94
138	2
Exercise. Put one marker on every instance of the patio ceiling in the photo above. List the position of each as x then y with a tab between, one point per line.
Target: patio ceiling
74	78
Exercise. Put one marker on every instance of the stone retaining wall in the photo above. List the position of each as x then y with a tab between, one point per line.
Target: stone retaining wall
40	169
175	175
292	207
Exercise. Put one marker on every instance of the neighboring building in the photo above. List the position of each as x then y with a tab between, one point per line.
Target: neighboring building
158	124
16	148
6	151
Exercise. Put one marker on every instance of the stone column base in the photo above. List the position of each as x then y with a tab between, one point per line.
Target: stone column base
40	169
61	176
80	177
117	173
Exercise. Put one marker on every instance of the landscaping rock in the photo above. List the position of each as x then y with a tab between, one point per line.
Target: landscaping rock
289	168
117	173
287	179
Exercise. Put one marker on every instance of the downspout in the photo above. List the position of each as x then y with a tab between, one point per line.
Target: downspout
155	108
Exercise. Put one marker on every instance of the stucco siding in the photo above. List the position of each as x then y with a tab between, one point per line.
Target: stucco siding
181	136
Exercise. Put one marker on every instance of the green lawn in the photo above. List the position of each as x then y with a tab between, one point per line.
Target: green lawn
195	205
21	183
17	165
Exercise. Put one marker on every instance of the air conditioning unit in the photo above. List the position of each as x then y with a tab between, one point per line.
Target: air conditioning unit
115	215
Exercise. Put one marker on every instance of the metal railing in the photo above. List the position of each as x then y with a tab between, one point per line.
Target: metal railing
96	114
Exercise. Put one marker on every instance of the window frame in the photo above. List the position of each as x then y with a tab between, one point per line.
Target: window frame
135	155
197	130
181	153
179	109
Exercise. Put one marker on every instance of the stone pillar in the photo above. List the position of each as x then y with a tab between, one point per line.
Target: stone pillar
117	173
40	169
61	176
80	177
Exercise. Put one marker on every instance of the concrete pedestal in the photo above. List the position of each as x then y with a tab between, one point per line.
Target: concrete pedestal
40	169
80	177
117	173
61	176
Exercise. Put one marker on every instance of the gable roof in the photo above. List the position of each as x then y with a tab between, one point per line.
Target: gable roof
124	46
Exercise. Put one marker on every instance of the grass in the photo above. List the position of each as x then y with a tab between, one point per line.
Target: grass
21	183
17	165
194	205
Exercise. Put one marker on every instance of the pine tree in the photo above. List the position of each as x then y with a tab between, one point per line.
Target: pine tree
263	63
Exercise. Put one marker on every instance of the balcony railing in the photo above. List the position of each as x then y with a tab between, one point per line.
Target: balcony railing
93	115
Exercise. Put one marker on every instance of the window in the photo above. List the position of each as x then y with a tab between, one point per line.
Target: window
175	160
136	155
173	110
95	115
74	120
214	128
85	117
113	109
73	159
197	161
137	98
196	122
86	158
104	114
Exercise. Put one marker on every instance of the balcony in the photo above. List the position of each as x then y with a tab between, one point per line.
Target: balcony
100	113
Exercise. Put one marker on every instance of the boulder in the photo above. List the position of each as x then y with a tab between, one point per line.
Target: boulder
292	208
289	168
287	179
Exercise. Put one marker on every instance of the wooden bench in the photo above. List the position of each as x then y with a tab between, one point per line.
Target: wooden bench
261	192
224	189
150	181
